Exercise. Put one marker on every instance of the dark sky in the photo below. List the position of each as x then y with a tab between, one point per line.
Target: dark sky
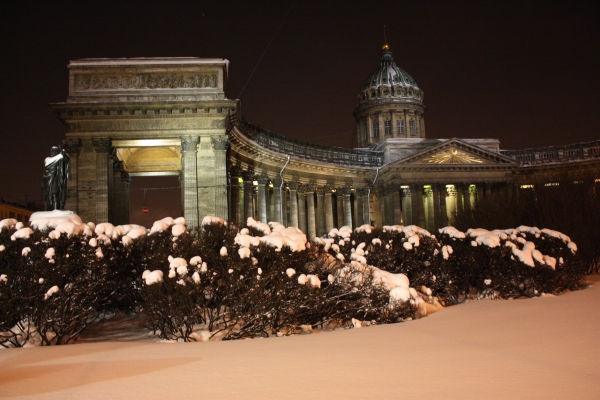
525	72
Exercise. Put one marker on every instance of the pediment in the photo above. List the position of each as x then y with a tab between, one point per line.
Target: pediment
455	152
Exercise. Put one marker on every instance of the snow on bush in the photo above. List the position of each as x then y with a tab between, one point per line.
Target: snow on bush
263	280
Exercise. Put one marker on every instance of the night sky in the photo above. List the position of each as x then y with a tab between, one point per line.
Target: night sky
523	72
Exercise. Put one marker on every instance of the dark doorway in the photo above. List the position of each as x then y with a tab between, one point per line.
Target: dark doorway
162	198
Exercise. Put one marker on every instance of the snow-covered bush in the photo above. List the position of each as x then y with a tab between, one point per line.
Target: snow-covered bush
233	296
263	280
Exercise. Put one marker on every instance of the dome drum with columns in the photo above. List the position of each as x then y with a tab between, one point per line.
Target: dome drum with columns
390	105
170	116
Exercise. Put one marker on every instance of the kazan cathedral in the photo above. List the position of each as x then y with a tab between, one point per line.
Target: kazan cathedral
170	116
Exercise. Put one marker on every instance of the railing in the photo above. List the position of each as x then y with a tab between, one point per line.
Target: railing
543	155
309	151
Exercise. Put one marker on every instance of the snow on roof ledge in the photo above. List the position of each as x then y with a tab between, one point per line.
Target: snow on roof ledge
148	61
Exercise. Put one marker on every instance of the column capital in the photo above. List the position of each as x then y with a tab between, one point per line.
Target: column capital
126	178
320	190
235	171
362	191
72	146
248	176
219	142
307	188
118	166
294	185
277	181
102	145
346	190
263	179
189	143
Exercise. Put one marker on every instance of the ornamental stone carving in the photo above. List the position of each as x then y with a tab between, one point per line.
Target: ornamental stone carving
219	143
277	182
362	191
294	185
346	190
248	176
453	156
144	81
102	145
263	179
189	143
72	146
307	188
235	171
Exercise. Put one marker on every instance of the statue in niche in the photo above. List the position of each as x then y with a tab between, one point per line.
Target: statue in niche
57	169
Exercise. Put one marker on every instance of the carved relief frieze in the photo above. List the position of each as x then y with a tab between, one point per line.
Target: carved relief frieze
453	156
84	82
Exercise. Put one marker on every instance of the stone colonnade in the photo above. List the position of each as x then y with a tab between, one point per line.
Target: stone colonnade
316	209
310	207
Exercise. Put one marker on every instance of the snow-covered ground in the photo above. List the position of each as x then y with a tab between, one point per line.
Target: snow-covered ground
540	348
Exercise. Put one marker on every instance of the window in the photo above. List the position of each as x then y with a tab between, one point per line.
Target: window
387	124
411	127
375	128
400	127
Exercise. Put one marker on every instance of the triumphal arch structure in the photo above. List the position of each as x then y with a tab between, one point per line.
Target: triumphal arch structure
146	116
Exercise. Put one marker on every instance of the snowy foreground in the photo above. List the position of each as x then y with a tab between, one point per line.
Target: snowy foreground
540	348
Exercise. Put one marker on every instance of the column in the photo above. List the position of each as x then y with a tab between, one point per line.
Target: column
406	132
406	205
359	204
440	213
320	210
310	211
367	206
101	148
301	207
72	147
347	192
248	179
381	193
189	148
396	203
120	195
339	203
487	189
417	203
235	173
388	205
219	145
328	209
114	182
294	217
459	198
466	196
125	197
284	207
277	191
263	181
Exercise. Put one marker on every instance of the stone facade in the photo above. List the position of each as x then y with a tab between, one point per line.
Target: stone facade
147	116
132	117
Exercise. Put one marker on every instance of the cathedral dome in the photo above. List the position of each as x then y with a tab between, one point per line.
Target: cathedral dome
390	105
389	81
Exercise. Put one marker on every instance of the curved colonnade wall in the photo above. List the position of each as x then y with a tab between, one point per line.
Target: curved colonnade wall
314	193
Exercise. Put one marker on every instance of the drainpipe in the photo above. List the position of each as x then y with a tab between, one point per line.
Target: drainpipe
280	189
369	190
